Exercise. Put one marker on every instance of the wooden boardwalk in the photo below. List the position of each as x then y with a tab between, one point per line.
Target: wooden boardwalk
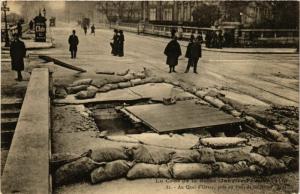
181	116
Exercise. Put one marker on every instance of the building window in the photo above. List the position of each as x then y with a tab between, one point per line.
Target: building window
167	14
152	14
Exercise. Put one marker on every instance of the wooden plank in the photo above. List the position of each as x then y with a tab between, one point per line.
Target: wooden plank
181	116
60	63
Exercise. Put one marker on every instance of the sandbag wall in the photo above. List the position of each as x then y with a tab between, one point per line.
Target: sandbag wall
142	161
279	128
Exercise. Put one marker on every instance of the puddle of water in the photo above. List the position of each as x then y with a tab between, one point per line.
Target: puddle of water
114	123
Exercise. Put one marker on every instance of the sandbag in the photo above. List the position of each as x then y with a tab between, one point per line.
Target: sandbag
139	75
227	108
75	89
143	170
191	170
124	85
277	136
200	93
105	88
112	86
293	136
186	156
112	170
89	93
154	80
87	81
59	159
236	169
203	155
274	165
128	77
105	72
123	73
60	92
152	154
107	154
214	101
276	149
207	155
99	82
256	169
258	159
217	142
231	155
117	79
135	82
75	171
291	163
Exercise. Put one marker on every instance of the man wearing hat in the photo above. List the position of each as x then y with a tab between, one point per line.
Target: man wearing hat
73	42
17	54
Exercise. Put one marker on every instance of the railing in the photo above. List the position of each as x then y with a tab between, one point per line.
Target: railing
242	37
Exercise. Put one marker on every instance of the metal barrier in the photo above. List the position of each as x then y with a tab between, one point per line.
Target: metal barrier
243	37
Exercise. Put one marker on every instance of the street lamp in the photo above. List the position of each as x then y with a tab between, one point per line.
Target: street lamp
5	9
241	17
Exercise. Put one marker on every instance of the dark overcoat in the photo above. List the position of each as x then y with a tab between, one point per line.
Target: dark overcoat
188	50
196	51
73	42
172	51
121	45
17	54
114	44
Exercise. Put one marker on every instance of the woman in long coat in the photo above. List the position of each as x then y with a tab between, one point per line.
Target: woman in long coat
17	53
114	44
121	44
172	51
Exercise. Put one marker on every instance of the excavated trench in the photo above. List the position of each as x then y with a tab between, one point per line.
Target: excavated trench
96	126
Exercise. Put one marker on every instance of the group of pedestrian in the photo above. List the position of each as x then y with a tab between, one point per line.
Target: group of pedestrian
214	39
117	46
85	28
193	53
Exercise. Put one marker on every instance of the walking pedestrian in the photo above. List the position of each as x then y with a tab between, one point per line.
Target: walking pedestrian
17	54
31	25
208	39
85	29
19	29
172	51
195	54
188	53
93	29
220	40
114	44
73	42
121	44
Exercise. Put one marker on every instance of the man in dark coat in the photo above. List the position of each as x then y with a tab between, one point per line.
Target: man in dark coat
195	54
188	52
19	29
31	25
172	51
17	53
73	42
93	29
121	44
85	29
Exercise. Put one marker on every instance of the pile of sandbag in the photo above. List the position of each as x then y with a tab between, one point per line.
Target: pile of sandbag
144	161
